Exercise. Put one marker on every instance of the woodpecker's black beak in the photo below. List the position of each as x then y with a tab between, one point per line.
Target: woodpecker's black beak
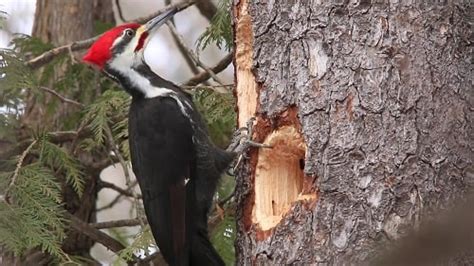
145	30
158	21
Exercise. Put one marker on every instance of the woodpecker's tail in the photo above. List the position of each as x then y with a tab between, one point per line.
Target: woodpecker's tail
202	251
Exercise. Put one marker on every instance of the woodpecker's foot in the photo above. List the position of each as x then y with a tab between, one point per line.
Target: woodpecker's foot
242	141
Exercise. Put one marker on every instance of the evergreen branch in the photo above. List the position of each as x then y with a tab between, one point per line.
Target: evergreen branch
54	137
194	56
203	76
57	158
108	107
17	169
119	223
47	56
42	212
219	30
62	98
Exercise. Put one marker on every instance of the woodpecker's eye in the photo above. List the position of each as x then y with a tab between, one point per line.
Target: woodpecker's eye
129	32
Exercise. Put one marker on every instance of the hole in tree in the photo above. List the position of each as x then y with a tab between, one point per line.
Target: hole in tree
279	176
302	164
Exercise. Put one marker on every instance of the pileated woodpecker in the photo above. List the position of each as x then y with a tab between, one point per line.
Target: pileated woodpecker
176	164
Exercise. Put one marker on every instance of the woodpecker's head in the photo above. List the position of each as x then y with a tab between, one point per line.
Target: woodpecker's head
122	47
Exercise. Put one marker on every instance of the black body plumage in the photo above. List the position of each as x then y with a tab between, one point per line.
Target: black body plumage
177	167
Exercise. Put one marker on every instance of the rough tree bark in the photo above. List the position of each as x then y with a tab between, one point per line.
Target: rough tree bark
369	108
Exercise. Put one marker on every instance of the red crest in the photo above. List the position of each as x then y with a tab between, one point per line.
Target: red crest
99	53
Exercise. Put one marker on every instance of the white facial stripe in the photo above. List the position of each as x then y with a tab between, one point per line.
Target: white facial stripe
117	41
125	62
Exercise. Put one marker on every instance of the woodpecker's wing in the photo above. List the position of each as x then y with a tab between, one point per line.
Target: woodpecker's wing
162	154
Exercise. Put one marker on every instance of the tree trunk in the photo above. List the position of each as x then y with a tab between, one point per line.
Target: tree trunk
60	22
369	109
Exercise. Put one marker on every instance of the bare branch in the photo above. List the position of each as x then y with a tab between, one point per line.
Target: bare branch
116	199
95	234
62	136
187	87
66	136
124	165
62	98
47	56
180	6
110	204
194	56
182	49
100	165
113	146
119	8
203	76
119	223
125	192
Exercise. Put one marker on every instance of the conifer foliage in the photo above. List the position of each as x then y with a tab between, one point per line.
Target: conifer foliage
62	148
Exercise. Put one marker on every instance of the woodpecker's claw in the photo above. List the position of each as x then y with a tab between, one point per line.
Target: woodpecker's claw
241	141
257	145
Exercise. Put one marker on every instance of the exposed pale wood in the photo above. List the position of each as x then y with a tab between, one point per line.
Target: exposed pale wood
279	177
246	86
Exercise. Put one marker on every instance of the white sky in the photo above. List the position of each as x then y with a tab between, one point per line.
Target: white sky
19	19
161	53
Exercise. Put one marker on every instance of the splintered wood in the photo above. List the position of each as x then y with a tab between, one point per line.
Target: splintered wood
279	177
246	86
